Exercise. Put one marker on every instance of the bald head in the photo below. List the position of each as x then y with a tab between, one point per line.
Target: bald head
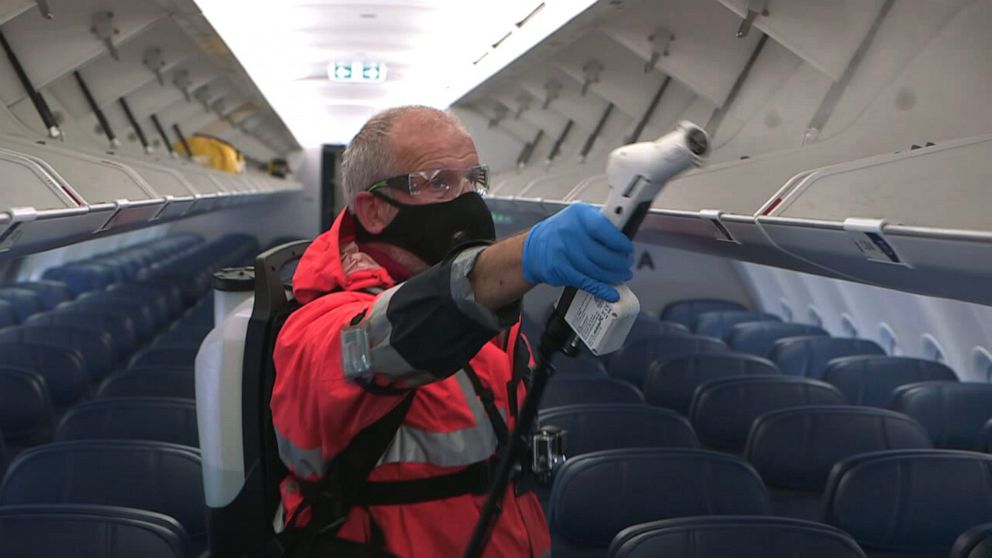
401	140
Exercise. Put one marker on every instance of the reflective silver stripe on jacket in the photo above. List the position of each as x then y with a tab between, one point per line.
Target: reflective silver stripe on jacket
413	445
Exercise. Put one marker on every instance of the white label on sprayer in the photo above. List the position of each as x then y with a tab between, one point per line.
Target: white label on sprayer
603	326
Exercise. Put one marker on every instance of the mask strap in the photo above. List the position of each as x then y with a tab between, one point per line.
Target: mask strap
388	199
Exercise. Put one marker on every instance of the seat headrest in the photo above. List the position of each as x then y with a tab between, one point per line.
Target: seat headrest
631	363
672	383
719	324
796	448
685	311
608	426
808	356
574	390
952	412
758	338
870	380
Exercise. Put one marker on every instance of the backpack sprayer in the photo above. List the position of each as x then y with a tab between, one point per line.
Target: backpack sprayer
636	174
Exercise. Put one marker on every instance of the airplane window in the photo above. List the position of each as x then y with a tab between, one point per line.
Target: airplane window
887	338
814	316
981	360
786	310
848	326
932	349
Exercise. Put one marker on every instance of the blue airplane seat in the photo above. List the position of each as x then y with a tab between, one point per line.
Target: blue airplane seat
794	449
81	277
63	369
740	536
954	413
157	419
164	356
719	324
580	390
647	325
606	426
672	383
723	410
974	543
597	495
152	476
909	502
870	380
8	316
119	327
160	298
152	307
26	417
685	312
165	382
96	347
808	356
758	338
580	366
52	293
144	321
24	301
66	530
631	363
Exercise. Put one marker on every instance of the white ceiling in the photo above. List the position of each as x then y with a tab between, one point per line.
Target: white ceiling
431	48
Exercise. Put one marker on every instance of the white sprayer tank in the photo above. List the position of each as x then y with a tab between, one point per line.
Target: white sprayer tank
218	386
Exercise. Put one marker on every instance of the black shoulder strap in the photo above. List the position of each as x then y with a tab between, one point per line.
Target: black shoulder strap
488	400
332	497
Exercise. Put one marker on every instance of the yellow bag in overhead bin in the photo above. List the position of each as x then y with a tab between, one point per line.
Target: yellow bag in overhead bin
214	153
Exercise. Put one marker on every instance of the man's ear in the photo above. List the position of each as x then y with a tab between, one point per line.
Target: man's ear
373	213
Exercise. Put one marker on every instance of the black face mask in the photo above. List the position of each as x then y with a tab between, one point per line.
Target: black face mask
430	231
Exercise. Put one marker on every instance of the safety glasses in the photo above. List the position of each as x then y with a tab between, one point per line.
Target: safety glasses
440	184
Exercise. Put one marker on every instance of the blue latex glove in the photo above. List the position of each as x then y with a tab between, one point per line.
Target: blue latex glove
578	247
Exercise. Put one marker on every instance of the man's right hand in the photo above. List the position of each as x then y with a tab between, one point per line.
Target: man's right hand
578	247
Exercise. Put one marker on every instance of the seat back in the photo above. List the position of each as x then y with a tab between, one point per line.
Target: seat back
579	390
25	408
954	413
8	316
672	383
647	326
686	311
796	448
758	338
91	531
974	543
719	324
631	363
609	426
722	411
52	293
144	321
63	369
597	495
909	500
870	380
133	418
25	302
737	536
164	356
167	382
808	356
96	347
153	476
581	366
119	327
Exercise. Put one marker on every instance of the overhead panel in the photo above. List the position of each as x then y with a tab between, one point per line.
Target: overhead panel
704	55
824	34
46	60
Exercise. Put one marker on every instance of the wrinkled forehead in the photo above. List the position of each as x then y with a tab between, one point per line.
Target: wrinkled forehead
430	143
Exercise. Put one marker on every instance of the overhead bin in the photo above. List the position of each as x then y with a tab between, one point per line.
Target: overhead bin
918	220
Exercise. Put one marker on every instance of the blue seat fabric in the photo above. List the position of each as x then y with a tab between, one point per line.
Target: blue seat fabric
954	413
63	369
167	382
164	356
576	390
598	494
672	383
758	338
719	324
974	543
8	316
601	427
909	501
686	311
25	409
632	362
169	420
809	356
737	536
722	411
96	347
870	380
25	302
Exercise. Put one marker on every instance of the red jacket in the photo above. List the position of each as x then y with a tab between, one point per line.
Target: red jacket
423	332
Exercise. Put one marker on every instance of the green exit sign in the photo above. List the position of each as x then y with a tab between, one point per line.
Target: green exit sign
357	72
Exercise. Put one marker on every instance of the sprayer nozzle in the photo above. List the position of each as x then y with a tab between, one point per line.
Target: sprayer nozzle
697	141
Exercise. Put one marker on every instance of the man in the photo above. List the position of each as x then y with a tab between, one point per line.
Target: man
412	264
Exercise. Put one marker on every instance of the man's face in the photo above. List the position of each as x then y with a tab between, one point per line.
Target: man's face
415	147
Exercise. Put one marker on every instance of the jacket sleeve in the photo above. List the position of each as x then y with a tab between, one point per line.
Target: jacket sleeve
421	331
431	326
